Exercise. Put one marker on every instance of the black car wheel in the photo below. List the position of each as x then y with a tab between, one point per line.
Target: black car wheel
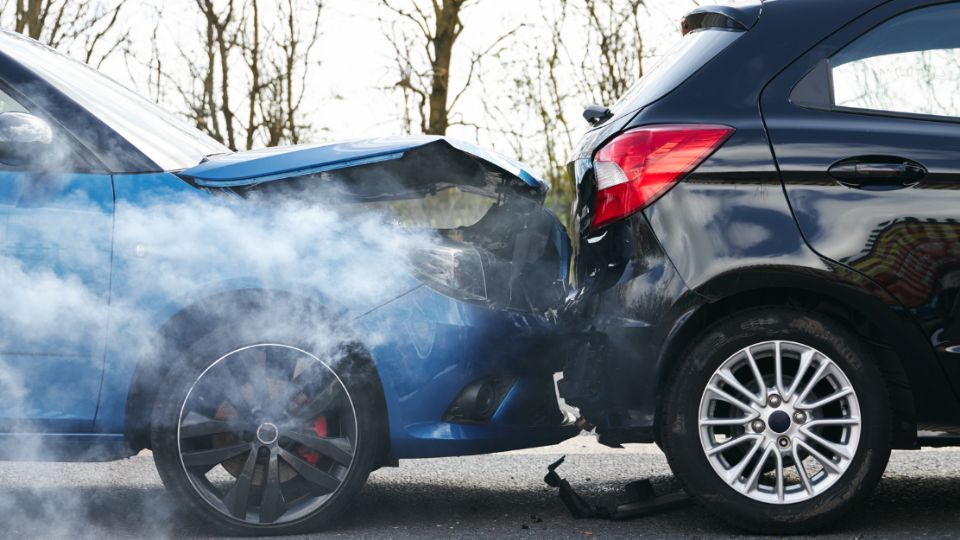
777	420
267	438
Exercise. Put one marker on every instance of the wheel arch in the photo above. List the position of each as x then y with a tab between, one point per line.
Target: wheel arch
905	359
195	320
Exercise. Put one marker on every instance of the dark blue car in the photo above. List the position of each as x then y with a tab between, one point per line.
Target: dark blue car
273	324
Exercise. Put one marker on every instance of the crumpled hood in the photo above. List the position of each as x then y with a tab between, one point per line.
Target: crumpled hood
428	159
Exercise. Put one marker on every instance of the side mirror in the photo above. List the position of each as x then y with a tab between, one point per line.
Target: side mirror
24	139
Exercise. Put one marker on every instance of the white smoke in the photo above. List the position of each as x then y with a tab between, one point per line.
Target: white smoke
171	248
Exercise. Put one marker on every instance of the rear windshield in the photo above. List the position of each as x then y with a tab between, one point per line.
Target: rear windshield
684	58
446	209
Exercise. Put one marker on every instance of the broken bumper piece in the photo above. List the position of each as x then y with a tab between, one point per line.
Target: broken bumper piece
639	499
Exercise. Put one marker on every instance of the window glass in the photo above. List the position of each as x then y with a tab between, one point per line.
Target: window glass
445	209
7	104
168	141
909	64
683	59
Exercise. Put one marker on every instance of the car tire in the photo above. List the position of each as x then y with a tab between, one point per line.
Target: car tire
298	473
754	481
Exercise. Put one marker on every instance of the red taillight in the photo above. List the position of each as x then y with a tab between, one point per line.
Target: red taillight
640	165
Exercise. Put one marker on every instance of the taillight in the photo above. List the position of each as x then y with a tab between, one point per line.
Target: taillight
637	167
452	268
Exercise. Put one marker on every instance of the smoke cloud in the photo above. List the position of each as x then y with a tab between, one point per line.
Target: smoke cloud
76	274
93	266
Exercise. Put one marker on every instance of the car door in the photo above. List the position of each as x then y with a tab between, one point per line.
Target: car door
56	231
866	132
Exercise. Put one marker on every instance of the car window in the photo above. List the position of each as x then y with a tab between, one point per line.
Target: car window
446	209
683	59
909	64
8	104
169	142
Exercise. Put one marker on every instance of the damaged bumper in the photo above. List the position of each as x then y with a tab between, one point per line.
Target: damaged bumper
638	499
631	302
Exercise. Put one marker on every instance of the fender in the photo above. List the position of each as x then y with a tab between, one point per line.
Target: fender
906	358
185	326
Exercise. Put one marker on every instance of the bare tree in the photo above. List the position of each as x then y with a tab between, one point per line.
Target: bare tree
253	52
614	55
286	79
434	29
87	29
221	36
245	79
423	35
531	111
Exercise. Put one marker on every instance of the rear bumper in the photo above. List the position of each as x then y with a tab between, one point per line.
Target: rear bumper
626	313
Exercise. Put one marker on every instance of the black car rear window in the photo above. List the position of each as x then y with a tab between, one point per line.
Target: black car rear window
683	59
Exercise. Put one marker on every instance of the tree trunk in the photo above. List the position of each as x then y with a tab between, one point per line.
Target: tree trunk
447	30
34	24
209	103
291	58
255	90
225	84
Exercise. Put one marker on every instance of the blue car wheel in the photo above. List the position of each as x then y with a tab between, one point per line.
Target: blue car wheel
267	437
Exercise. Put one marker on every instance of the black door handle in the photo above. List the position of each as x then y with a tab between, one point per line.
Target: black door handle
877	172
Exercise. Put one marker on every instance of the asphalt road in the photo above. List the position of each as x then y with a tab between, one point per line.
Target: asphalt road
500	495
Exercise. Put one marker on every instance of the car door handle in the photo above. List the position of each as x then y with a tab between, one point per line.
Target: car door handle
877	172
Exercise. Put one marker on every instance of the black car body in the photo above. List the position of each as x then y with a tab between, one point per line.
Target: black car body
810	186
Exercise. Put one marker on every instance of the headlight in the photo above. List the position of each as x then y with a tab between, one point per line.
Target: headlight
453	269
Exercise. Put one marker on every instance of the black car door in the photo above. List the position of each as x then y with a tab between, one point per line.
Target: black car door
866	132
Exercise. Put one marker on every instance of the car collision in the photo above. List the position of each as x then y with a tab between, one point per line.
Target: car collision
272	324
759	278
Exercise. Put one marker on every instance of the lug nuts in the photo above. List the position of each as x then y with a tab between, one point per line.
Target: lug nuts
783	442
757	426
799	417
774	400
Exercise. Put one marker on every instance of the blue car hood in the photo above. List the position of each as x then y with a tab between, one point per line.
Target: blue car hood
431	160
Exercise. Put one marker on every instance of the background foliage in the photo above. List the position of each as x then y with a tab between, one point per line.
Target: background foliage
509	74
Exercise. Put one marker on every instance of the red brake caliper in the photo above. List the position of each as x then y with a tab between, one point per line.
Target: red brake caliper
320	428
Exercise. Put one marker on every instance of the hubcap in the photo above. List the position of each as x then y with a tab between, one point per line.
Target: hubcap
779	422
267	434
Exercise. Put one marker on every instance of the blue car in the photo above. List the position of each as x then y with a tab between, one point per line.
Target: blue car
272	324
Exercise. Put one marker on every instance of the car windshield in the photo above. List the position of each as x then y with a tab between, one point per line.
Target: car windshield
169	142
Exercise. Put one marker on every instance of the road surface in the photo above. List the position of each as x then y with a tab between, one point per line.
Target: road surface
501	495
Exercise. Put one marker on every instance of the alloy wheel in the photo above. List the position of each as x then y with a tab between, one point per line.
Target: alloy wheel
779	422
267	434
